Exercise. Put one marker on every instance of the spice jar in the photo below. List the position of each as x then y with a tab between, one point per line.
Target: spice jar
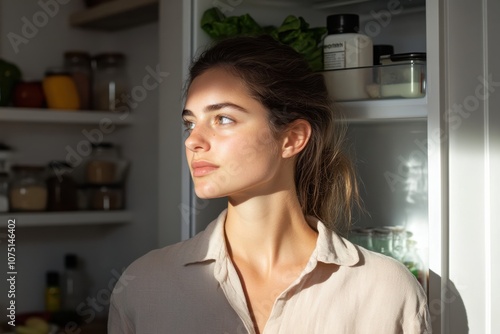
108	197
105	165
78	65
60	89
61	188
110	83
29	94
28	191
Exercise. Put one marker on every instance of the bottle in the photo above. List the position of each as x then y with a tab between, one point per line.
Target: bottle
350	55
110	83
53	292
78	65
73	284
62	190
344	47
414	263
60	90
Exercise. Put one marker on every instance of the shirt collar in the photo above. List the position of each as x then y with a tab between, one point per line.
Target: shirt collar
210	245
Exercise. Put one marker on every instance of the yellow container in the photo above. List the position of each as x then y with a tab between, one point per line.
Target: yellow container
60	90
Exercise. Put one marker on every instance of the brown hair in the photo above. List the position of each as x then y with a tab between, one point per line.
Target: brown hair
283	82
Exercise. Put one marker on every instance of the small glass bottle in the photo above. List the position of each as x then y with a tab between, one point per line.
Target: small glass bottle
110	83
73	283
62	189
53	292
28	190
79	66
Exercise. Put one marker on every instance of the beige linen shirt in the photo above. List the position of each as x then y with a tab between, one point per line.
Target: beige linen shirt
192	287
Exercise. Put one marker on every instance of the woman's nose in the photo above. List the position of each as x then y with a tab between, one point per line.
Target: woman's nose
197	139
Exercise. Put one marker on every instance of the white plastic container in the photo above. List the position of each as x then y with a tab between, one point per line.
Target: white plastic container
343	48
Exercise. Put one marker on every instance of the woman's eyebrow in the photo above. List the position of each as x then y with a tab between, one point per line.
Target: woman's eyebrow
215	107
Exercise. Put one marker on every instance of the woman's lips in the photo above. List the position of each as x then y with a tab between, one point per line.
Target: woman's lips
201	168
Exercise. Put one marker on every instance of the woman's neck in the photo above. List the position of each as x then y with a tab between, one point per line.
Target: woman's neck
269	231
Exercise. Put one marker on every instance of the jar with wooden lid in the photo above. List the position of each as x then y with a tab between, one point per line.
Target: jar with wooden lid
28	191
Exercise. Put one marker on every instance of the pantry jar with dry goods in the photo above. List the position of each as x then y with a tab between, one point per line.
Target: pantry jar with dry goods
110	83
105	166
78	65
28	190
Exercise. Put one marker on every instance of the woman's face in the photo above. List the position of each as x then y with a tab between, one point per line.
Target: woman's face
230	148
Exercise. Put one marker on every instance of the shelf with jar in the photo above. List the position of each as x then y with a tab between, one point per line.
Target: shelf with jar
53	116
70	218
94	187
85	89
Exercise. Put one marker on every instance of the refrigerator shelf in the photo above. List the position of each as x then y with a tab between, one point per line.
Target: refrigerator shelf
384	110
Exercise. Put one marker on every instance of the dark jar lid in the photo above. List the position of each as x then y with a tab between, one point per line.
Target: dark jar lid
110	58
342	23
56	71
404	57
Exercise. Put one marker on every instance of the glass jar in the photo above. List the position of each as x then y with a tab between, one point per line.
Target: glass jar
110	82
382	241
78	65
29	94
414	263
60	89
62	190
28	191
105	166
108	197
362	236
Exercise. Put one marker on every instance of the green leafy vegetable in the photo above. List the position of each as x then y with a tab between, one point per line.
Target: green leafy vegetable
294	31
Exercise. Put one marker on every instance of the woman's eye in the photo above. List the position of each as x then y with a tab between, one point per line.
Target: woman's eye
188	126
224	120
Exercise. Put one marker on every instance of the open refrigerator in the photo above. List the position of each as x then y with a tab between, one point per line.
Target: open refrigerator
387	138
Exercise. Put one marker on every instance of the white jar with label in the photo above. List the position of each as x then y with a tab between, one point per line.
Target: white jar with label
345	48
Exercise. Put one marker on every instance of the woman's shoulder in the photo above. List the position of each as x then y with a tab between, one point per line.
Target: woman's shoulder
196	249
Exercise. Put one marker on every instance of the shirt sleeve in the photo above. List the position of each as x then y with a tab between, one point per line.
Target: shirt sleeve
421	323
118	321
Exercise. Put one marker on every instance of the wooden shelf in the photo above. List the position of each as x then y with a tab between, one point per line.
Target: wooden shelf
116	15
25	115
396	110
70	218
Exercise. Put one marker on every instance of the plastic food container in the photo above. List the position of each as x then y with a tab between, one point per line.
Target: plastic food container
401	76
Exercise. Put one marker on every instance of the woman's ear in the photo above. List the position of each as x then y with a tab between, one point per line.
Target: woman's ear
295	138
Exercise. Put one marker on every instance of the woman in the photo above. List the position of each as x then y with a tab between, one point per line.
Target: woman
261	132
